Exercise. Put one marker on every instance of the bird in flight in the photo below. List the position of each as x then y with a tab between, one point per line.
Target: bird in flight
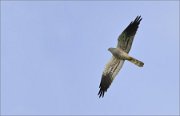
119	55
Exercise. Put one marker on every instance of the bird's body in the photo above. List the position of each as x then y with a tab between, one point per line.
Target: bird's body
119	55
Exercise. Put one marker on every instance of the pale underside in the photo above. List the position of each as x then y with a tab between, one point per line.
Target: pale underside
112	68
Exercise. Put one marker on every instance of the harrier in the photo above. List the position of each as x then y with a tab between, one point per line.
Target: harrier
119	55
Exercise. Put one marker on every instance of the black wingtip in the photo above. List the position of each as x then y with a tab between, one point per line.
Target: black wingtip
138	19
133	26
104	85
101	93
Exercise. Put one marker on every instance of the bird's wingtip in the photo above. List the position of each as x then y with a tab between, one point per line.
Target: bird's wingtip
138	18
101	93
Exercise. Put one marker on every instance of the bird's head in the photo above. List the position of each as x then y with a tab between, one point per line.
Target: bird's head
111	49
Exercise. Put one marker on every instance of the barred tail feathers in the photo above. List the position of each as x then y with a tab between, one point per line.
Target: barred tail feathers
136	62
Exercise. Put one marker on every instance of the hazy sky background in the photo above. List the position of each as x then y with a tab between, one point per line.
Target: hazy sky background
53	54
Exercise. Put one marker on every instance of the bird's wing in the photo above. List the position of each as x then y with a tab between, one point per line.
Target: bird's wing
125	39
111	70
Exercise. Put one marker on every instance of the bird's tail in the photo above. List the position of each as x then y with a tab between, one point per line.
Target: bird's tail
136	62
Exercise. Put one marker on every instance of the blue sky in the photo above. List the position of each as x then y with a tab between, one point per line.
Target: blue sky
53	54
